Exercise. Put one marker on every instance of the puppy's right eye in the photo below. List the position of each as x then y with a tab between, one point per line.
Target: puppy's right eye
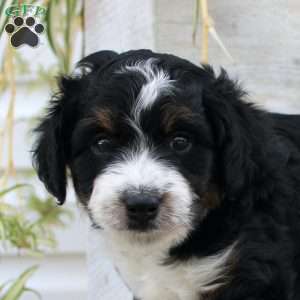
181	144
102	145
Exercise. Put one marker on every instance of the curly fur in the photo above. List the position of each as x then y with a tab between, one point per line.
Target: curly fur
247	157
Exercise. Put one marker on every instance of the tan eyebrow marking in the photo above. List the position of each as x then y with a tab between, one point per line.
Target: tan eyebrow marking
106	118
211	199
172	113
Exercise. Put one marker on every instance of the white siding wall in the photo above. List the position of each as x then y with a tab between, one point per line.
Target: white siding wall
262	36
119	25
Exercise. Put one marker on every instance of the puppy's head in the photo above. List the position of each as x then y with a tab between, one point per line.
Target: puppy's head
153	142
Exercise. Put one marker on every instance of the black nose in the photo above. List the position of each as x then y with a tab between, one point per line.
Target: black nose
141	207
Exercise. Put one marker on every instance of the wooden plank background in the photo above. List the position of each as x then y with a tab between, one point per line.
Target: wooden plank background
262	36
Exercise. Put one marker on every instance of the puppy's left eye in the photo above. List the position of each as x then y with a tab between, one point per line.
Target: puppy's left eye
102	145
181	144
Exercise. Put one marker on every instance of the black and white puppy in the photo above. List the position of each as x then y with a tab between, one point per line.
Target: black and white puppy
196	191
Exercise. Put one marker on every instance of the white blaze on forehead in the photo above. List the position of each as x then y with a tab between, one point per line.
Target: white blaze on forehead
158	82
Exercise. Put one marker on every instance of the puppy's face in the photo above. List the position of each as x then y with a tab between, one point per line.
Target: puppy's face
139	135
142	157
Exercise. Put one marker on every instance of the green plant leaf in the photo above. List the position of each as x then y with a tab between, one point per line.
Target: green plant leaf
196	20
2	286
3	17
51	21
62	35
16	290
2	230
67	35
33	1
12	188
2	6
6	207
50	36
48	212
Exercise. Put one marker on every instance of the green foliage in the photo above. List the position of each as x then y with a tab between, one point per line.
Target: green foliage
10	189
18	287
26	220
48	212
62	35
27	227
4	18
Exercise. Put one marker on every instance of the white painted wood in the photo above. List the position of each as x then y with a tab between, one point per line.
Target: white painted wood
119	25
262	36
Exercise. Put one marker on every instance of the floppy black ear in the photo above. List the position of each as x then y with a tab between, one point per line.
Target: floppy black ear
52	149
241	132
50	153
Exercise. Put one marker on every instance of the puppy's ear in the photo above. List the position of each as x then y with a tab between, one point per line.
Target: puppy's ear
239	131
51	152
51	149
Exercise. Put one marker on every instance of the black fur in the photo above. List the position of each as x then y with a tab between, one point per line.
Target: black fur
252	156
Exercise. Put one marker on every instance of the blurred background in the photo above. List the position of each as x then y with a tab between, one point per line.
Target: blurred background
42	247
47	251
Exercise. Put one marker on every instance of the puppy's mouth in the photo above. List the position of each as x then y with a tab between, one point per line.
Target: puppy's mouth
142	226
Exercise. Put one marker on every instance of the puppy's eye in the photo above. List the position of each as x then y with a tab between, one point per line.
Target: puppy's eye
102	145
181	144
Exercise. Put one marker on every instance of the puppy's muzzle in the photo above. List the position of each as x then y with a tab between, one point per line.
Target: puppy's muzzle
142	209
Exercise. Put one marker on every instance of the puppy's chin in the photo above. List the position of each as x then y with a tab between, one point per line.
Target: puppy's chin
171	236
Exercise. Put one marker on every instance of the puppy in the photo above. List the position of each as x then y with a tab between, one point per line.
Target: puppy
195	190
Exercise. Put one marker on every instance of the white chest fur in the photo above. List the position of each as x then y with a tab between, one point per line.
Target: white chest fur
142	269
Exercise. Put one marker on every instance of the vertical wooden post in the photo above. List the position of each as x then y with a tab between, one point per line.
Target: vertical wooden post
205	31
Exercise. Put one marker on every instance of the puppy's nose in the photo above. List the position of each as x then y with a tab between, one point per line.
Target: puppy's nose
142	207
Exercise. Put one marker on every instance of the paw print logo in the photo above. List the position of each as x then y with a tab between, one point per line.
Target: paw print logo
24	32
